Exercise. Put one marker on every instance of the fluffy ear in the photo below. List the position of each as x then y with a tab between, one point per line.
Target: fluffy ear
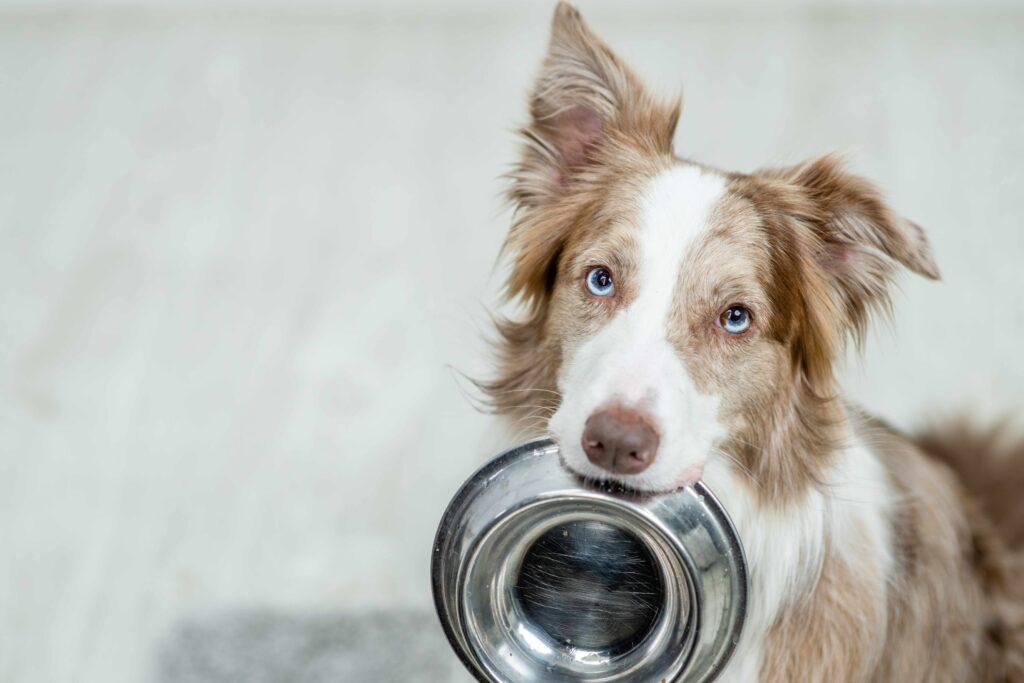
585	107
858	237
583	97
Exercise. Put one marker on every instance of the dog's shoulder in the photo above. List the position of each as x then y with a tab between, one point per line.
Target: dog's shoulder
954	573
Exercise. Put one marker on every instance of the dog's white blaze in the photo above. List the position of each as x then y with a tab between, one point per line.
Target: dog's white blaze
630	361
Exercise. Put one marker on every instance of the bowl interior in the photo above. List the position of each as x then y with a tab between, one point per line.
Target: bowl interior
590	584
577	589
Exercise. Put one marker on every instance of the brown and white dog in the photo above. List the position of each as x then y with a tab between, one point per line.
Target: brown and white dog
682	322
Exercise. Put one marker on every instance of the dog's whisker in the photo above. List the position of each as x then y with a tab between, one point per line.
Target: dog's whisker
526	390
743	469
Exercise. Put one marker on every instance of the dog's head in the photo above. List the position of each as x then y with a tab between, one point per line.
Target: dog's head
675	313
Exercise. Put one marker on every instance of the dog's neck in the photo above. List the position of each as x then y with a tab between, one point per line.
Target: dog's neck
785	449
843	509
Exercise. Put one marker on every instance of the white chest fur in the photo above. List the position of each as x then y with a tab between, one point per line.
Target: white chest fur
784	545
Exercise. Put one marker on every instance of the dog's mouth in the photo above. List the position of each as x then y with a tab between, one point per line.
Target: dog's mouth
610	482
690	476
607	485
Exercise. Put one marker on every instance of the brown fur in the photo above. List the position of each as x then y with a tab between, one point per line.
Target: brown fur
954	601
955	604
989	463
812	249
833	634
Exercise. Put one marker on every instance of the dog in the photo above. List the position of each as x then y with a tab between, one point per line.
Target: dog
678	322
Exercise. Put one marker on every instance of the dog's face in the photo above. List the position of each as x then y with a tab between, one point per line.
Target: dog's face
663	313
677	313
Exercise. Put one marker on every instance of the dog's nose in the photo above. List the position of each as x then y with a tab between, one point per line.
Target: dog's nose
620	440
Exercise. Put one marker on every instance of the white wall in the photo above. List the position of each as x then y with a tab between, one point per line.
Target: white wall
660	7
239	250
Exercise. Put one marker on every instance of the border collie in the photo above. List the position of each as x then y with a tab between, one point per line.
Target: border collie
681	322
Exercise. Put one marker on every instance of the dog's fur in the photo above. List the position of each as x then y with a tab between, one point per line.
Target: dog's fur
870	556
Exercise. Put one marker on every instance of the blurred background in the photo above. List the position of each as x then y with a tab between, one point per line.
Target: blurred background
244	248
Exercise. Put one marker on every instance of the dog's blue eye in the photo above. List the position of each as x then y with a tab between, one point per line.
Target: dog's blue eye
599	282
735	320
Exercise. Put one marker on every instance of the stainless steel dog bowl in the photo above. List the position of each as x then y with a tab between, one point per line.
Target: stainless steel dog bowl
538	576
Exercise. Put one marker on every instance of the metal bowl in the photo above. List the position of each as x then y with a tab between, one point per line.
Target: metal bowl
539	576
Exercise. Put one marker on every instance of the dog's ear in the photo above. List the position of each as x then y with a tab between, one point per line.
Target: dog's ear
856	240
853	221
583	97
586	107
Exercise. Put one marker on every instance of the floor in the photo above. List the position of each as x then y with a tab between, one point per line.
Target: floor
245	258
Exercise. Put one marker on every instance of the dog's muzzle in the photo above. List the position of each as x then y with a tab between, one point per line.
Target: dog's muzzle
538	576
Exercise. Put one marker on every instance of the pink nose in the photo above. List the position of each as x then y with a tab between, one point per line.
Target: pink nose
620	440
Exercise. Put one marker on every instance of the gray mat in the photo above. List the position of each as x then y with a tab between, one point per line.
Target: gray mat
272	647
